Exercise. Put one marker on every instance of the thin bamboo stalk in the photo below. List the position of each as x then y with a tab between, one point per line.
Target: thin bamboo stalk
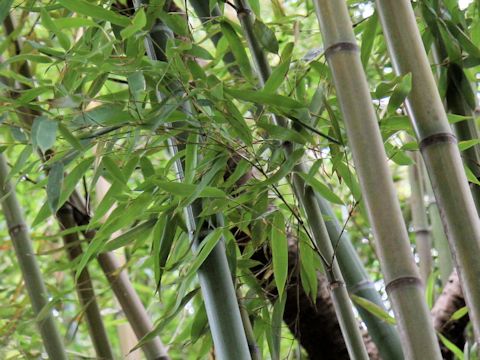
401	275
28	264
421	227
444	261
356	278
215	279
308	200
438	146
85	289
384	335
120	283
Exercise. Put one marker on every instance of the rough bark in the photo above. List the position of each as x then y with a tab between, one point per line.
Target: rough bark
447	303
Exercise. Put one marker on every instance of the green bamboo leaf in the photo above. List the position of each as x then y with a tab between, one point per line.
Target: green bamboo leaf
199	324
321	189
52	27
44	133
138	22
73	178
460	313
264	98
113	169
5	6
140	231
21	160
163	237
237	49
282	133
187	190
280	72
463	39
285	169
54	185
279	244
274	331
85	8
266	36
368	39
373	308
467	144
73	23
205	248
451	346
400	92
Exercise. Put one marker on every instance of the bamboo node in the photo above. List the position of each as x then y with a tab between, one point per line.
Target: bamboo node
404	280
335	284
340	46
16	229
436	139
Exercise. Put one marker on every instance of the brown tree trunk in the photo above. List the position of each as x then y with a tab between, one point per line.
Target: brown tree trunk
447	303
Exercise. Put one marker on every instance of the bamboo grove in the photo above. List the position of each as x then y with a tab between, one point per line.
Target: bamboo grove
239	179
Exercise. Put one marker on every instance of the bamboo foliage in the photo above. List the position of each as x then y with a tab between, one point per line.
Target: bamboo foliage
26	258
401	277
438	146
214	274
121	285
308	200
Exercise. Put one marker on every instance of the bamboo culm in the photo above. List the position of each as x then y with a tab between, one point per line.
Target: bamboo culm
308	200
438	146
402	281
215	279
357	280
28	264
421	228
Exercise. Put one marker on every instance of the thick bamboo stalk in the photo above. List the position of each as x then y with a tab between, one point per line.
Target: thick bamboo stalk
438	146
28	264
421	227
122	287
215	279
308	200
401	275
357	280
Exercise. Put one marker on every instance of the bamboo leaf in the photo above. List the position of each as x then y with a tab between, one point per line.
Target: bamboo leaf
460	313
285	169
368	39
266	36
279	245
85	8
137	232
44	133
205	248
451	346
374	309
237	48
264	98
5	6
54	185
321	189
163	237
186	190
